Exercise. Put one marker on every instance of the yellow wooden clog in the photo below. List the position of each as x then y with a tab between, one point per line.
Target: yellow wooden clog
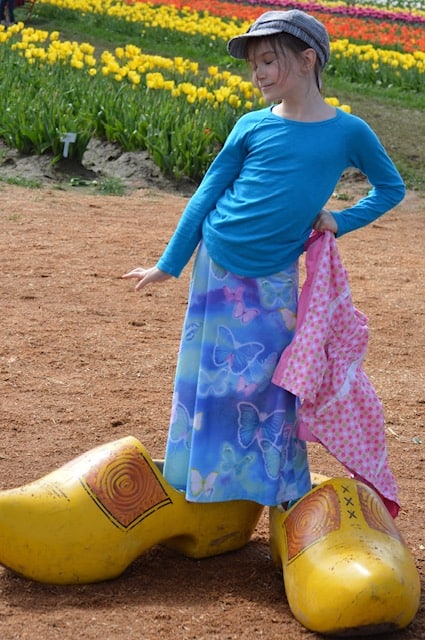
88	520
345	566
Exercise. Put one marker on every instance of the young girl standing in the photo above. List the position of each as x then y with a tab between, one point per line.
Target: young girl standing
232	432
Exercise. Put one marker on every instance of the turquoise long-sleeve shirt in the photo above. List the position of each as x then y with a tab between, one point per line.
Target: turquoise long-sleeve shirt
256	205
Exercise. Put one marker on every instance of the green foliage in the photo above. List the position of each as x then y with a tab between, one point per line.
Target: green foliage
121	115
183	141
43	102
111	186
399	120
39	106
22	182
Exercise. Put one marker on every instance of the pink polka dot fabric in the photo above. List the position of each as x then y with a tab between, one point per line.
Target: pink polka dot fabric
323	367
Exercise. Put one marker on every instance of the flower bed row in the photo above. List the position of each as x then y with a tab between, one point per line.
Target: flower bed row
398	11
400	34
218	27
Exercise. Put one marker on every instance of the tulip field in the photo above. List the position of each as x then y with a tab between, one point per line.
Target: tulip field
155	75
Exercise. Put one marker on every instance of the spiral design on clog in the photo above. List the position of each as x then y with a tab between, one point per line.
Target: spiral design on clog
312	518
124	486
122	481
375	513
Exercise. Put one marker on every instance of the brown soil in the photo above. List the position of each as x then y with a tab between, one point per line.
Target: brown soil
85	360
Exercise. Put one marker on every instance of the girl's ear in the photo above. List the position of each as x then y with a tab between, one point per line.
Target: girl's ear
310	58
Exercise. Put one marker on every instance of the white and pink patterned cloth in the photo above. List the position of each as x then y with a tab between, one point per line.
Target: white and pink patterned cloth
323	367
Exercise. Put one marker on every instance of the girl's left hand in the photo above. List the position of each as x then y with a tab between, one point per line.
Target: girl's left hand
325	222
146	276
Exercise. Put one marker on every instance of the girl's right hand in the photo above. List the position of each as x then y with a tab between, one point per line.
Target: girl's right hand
146	276
325	222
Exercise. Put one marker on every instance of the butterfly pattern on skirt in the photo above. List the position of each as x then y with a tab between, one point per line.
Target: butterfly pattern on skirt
240	311
237	356
264	430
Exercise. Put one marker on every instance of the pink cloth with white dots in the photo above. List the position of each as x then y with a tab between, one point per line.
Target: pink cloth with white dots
323	367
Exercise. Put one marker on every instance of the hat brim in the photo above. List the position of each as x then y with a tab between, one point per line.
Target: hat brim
294	25
237	45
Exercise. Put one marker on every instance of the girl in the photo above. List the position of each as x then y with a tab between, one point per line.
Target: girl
232	432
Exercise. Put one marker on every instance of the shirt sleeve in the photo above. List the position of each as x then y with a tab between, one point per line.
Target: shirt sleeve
369	156
220	176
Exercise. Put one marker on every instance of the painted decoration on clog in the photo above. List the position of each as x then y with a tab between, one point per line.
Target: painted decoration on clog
375	513
319	513
316	515
124	487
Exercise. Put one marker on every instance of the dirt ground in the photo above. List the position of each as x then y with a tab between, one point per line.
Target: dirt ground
85	360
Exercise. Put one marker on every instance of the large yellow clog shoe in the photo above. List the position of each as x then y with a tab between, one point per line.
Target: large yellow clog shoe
345	566
88	520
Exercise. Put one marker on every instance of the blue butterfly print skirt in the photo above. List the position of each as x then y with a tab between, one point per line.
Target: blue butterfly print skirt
232	432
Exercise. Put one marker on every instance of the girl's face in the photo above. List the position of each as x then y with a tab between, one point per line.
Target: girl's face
277	73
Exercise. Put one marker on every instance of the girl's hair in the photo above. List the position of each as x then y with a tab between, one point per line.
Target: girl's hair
282	42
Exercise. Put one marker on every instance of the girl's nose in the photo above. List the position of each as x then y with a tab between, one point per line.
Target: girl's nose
259	72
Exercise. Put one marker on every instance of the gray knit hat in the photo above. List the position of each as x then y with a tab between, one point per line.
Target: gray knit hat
297	23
